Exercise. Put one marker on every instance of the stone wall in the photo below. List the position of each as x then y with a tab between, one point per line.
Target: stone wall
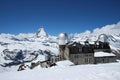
106	59
82	58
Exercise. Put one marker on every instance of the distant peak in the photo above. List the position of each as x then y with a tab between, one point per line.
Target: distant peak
41	33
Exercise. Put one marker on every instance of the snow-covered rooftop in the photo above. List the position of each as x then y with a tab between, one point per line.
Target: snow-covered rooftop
102	54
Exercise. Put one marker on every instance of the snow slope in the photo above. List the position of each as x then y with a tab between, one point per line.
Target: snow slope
110	71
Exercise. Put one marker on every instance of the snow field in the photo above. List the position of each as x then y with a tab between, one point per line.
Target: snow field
109	71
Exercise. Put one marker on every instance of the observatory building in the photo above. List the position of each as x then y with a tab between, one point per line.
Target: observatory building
103	38
85	53
102	44
63	40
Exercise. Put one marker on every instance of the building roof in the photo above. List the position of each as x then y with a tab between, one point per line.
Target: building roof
103	54
73	44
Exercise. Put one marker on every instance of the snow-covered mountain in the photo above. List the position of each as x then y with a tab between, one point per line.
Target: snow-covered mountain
41	33
16	49
21	48
112	31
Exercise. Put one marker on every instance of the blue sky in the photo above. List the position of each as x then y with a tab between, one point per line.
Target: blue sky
71	16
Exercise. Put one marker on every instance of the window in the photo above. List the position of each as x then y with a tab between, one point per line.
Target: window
86	60
86	55
90	54
90	60
79	55
80	49
76	56
103	60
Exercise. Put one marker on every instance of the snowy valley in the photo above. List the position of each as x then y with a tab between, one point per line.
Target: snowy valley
23	48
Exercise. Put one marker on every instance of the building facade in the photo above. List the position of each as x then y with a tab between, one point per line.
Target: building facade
85	53
79	54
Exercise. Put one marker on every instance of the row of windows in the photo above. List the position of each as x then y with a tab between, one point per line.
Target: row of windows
84	50
88	60
102	60
88	55
78	56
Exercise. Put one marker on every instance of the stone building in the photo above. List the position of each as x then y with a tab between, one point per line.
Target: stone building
85	53
100	57
79	54
63	40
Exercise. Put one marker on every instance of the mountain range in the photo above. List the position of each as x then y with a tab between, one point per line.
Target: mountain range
16	49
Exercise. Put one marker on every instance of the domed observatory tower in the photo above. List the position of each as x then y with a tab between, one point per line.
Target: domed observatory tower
103	42
102	38
62	40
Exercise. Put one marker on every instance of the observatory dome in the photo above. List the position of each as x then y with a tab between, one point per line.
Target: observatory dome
102	38
63	38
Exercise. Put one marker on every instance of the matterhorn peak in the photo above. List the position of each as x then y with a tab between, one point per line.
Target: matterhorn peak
41	33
